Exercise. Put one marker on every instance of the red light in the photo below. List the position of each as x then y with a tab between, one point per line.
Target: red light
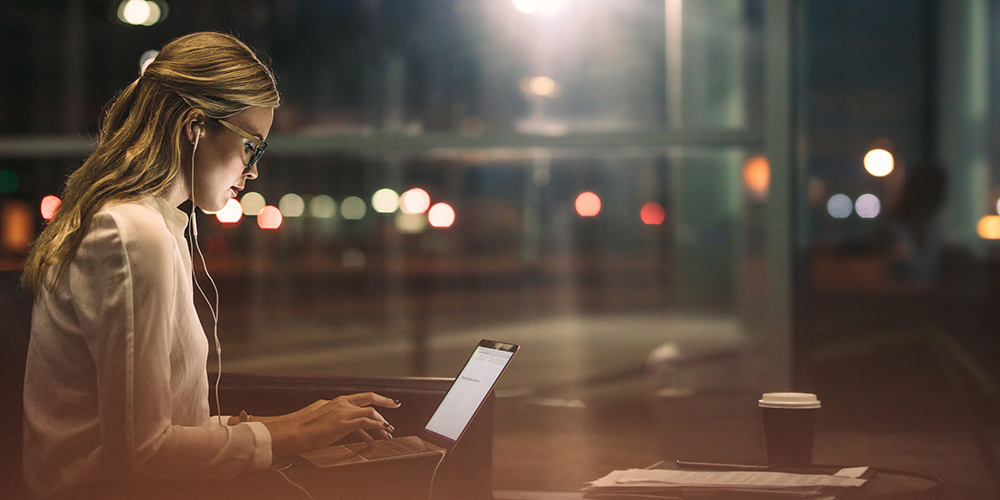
588	204
441	215
415	201
49	205
652	214
269	217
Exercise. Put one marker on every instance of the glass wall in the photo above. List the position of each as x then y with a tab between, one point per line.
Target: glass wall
591	179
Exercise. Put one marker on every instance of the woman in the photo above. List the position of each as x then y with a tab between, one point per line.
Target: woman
116	388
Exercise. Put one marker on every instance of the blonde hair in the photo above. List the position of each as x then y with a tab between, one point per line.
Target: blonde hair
139	147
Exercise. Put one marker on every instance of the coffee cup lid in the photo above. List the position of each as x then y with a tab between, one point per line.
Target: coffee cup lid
789	400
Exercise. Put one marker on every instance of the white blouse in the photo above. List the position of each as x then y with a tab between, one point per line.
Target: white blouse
116	384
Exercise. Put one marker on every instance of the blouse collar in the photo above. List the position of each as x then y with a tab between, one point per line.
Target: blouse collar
174	216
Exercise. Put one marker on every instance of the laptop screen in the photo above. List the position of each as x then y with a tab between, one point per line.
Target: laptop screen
470	389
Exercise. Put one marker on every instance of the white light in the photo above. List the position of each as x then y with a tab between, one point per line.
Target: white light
292	205
543	86
140	13
410	223
353	208
385	201
839	206
231	213
322	207
134	12
998	206
545	8
879	162
526	6
415	201
154	14
868	206
252	203
441	215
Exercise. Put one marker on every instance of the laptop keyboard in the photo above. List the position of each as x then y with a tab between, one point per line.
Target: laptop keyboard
387	448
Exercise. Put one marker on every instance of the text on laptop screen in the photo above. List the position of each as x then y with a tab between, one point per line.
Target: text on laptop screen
468	391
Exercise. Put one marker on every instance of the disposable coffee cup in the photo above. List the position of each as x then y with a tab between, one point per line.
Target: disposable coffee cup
789	426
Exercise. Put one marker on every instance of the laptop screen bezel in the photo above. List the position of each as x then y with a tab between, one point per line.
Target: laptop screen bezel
445	442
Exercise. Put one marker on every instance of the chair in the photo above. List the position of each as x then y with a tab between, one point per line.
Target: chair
465	473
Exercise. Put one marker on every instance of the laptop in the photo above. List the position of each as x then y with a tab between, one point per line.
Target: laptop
445	427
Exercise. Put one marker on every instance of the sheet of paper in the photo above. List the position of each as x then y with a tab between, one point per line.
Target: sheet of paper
852	472
724	479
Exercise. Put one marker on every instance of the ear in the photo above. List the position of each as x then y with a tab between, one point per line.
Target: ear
194	125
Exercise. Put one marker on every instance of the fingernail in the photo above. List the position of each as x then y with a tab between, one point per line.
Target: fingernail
390	435
395	401
386	425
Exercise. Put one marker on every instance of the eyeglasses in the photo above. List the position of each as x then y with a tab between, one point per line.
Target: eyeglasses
258	145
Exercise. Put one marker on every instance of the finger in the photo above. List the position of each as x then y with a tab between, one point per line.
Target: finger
370	398
364	435
366	424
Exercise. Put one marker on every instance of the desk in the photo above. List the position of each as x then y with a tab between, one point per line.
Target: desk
887	484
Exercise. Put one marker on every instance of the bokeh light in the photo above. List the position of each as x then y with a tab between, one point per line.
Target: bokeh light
49	206
544	8
353	208
879	162
252	203
652	214
352	258
868	206
541	177
8	181
269	217
543	86
588	204
839	206
231	213
441	215
17	226
292	205
322	207
988	227
415	201
757	176
385	201
410	223
140	12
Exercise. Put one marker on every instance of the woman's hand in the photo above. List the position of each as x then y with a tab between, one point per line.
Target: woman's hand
324	422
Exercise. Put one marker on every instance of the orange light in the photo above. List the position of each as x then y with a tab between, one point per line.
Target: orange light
269	217
989	227
231	213
49	205
15	219
652	214
757	175
588	204
441	215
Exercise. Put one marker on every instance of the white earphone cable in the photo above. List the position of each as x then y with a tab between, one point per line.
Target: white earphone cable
430	489
193	244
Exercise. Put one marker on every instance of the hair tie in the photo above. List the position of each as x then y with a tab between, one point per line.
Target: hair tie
147	58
